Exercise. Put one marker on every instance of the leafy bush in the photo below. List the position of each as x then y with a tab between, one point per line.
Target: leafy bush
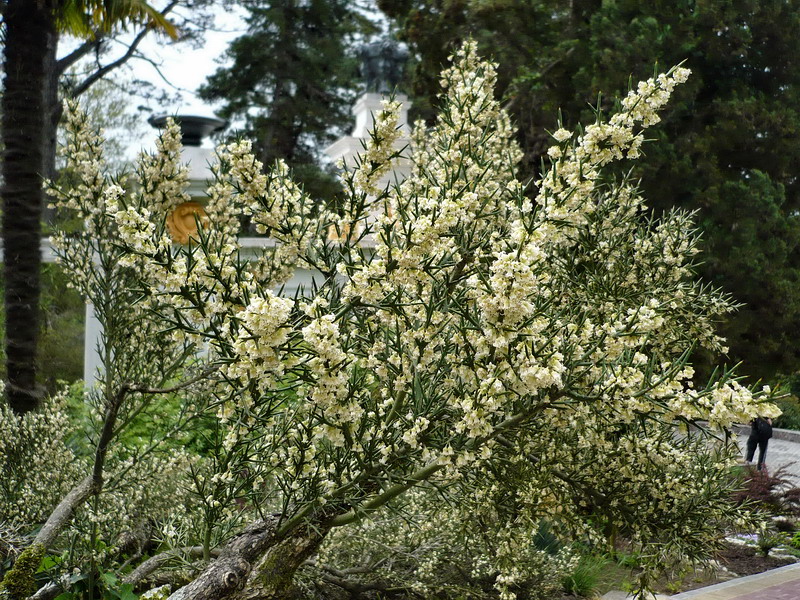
772	493
790	416
585	576
769	538
794	541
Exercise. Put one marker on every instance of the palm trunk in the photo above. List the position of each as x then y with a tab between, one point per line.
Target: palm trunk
53	109
29	47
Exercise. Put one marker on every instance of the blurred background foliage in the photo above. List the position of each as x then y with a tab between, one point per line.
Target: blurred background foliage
727	147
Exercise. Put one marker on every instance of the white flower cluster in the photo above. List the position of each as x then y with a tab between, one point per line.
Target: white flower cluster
264	327
567	189
329	367
238	178
376	160
162	177
37	464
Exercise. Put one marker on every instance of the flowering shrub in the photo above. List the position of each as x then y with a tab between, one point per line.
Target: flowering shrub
523	351
465	547
81	488
33	450
40	463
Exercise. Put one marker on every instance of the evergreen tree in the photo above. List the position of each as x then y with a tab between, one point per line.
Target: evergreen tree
727	146
290	82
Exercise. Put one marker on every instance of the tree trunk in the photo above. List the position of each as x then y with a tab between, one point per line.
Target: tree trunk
273	576
255	565
53	110
29	45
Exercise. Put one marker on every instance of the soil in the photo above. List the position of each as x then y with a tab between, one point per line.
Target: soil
734	561
746	561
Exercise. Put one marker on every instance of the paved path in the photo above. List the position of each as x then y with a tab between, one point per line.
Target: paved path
778	584
783	451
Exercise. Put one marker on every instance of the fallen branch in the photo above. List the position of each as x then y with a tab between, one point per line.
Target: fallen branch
154	563
62	514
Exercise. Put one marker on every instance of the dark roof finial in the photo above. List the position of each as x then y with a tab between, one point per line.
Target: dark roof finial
193	127
382	64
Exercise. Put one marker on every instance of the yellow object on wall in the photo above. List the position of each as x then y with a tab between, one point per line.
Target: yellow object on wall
182	222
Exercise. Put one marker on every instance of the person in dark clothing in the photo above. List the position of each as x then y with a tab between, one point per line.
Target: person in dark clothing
760	434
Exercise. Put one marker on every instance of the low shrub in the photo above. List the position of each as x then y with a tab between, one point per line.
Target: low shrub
772	493
794	542
585	577
769	539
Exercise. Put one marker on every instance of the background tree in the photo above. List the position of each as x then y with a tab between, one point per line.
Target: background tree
292	81
728	148
30	38
29	118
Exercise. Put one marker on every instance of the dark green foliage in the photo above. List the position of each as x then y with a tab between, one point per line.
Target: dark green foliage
790	419
727	147
292	82
546	540
585	577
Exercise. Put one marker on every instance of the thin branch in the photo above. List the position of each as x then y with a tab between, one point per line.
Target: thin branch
342	578
156	562
356	588
157	68
175	388
107	68
107	434
70	59
376	502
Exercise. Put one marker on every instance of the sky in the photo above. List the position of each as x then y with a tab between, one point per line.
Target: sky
183	67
